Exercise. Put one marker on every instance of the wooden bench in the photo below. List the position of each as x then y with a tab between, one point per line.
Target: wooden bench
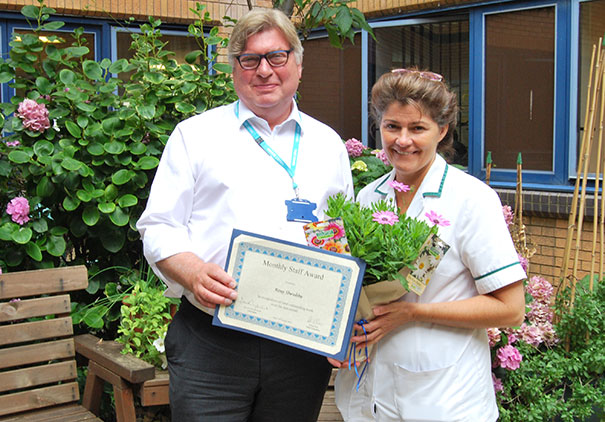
37	352
131	377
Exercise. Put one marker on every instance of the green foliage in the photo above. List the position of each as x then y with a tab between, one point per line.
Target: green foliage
339	19
367	168
87	177
145	315
385	248
558	383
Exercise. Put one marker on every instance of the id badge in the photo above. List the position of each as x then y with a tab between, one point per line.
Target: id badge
301	210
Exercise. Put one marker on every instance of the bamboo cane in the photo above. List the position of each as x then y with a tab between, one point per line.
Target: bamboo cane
574	202
584	180
488	167
597	180
601	119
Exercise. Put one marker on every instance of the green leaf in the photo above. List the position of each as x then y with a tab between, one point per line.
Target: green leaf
147	112
67	77
121	177
93	286
55	245
58	231
92	70
45	187
222	67
137	148
114	147
22	235
192	56
82	121
52	26
111	192
119	217
90	215
106	207
118	66
70	204
83	196
33	251
112	240
86	108
43	85
154	77
70	164
185	108
40	225
127	200
6	77
93	319
95	149
73	129
30	12
111	125
19	157
148	163
77	51
43	147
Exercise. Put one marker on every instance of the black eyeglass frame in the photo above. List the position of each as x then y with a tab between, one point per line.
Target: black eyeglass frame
264	56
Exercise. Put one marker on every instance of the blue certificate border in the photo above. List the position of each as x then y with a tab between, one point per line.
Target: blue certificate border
341	314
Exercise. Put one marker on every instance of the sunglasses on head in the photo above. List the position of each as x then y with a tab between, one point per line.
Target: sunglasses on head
426	75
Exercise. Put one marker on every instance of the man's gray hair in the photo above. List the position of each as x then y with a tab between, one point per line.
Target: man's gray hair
259	20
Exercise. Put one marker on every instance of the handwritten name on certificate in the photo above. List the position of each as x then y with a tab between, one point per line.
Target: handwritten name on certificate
302	296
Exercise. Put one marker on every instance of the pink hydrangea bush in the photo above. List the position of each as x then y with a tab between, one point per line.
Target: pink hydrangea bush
354	147
34	115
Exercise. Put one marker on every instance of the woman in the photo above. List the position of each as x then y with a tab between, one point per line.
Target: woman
431	358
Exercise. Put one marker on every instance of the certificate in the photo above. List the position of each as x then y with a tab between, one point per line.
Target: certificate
298	295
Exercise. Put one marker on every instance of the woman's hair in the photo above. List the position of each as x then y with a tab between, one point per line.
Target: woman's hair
413	87
259	20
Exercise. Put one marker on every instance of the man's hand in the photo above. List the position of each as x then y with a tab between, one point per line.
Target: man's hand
208	282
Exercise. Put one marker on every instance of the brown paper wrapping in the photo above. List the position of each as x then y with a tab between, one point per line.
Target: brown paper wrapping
379	293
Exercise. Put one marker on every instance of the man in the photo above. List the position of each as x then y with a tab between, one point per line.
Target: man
237	166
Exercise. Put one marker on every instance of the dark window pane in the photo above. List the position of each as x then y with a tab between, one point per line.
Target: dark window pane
519	88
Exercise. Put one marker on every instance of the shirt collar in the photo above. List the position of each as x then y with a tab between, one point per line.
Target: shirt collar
243	113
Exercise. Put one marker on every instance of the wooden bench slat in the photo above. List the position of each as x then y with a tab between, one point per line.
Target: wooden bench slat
38	398
64	413
12	311
35	282
155	391
37	330
37	375
108	354
34	353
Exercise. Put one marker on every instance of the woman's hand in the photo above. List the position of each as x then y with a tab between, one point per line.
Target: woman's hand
388	317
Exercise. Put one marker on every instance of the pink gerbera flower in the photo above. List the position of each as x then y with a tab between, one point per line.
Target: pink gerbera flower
437	219
337	230
398	186
385	217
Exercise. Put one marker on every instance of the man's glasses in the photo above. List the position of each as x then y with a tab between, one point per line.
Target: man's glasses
276	58
426	75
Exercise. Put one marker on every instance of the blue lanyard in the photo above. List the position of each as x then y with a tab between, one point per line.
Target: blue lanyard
261	142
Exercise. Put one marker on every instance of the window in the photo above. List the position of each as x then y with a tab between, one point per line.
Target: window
441	46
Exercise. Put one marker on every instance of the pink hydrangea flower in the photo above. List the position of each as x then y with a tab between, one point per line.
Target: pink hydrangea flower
354	147
523	261
14	143
509	357
18	209
540	289
385	217
508	214
437	219
530	334
549	337
539	313
494	336
497	383
398	186
382	155
34	115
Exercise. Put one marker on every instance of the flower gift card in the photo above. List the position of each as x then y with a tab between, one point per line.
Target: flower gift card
429	257
328	235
